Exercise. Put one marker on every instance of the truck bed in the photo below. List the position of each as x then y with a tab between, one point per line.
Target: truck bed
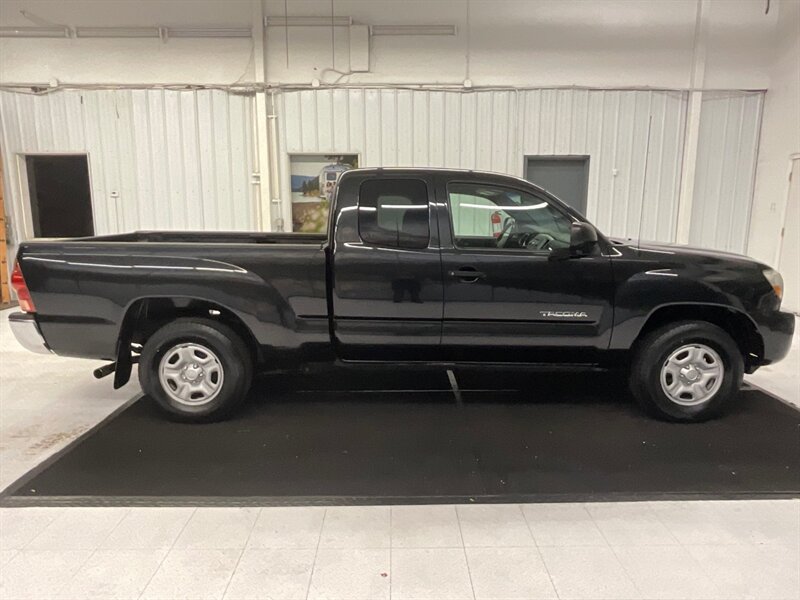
273	283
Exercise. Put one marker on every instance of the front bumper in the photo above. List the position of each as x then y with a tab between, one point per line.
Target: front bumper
25	329
777	331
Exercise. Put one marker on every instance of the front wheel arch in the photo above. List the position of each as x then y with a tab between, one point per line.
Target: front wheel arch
739	326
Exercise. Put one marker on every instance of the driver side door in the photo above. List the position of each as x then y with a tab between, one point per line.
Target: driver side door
505	299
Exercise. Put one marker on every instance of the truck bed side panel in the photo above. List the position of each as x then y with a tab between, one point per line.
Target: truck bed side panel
277	290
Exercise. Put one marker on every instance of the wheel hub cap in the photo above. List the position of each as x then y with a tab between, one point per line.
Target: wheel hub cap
692	374
191	374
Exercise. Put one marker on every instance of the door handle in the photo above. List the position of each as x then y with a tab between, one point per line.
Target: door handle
467	274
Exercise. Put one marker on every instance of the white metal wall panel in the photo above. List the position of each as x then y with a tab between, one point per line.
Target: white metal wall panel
494	130
176	159
725	174
611	128
183	159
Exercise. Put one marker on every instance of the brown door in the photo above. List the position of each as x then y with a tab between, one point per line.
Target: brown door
5	292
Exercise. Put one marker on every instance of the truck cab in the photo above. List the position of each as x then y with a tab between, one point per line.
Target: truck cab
420	271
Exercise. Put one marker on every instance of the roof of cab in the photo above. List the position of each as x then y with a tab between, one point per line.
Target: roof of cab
489	174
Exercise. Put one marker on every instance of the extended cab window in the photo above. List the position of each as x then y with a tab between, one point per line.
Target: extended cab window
394	212
486	216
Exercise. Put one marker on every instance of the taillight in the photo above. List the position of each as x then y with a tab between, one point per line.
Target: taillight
21	288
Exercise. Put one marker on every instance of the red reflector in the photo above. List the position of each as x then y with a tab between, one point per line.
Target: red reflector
23	295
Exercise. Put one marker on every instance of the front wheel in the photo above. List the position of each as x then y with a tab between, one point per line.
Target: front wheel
686	371
196	369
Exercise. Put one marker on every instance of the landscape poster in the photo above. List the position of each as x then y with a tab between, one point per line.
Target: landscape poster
314	178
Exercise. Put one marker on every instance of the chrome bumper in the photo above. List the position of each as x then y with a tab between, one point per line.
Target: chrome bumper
25	329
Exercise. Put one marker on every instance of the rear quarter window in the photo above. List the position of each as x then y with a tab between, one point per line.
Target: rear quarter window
394	213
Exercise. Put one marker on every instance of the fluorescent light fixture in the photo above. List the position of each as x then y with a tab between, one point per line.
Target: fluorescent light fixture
412	29
116	32
209	32
34	32
308	21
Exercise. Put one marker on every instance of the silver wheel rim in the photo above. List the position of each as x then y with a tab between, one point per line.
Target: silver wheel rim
191	374
692	374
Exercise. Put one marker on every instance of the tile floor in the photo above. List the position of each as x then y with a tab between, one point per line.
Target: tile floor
713	549
708	549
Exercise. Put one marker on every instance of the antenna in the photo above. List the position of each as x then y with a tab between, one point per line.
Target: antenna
644	183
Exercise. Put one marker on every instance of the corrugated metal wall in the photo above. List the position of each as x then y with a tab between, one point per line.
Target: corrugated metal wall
727	151
611	127
494	130
183	159
176	159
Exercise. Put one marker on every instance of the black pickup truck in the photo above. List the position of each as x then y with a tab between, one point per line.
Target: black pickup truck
439	267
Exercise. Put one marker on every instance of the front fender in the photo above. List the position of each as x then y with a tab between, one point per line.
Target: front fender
643	294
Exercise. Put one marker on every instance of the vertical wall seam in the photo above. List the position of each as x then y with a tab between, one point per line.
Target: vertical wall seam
629	186
600	161
736	171
315	107
231	180
165	141
153	201
185	207
662	137
118	167
680	141
213	154
721	181
615	142
201	182
333	119
757	124
135	161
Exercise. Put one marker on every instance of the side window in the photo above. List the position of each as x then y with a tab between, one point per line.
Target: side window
486	216
394	212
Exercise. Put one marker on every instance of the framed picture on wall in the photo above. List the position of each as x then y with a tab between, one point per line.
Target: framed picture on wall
314	178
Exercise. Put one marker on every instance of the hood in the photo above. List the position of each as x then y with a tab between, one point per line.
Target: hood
679	250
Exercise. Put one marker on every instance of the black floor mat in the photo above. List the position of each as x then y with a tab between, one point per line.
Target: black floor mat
392	436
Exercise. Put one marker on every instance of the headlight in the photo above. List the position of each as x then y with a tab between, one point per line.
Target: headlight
775	280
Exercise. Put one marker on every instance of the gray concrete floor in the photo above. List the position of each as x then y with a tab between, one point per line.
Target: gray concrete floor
697	549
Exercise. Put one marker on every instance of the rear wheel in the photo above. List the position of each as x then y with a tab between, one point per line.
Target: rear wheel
686	371
196	369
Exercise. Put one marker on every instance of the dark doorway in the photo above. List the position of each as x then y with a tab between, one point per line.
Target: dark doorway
566	177
61	200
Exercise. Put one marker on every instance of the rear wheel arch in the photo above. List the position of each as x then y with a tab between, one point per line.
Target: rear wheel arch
144	316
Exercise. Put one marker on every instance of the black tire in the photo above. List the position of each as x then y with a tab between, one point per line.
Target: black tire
651	354
230	352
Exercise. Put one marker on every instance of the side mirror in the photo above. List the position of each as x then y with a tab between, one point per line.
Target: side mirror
582	239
